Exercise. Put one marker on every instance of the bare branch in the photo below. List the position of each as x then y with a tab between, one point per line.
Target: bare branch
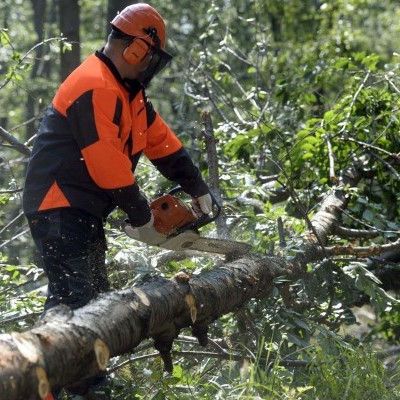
362	252
5	243
212	157
343	232
11	191
22	59
256	204
367	225
392	84
388	166
15	143
208	354
19	318
282	242
11	223
354	100
239	357
332	176
395	156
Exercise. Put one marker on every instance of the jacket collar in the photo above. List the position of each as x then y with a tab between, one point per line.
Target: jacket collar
133	86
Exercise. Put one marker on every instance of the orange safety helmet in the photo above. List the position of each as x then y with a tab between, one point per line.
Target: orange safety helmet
142	21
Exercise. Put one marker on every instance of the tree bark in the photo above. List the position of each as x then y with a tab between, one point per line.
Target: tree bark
67	346
113	8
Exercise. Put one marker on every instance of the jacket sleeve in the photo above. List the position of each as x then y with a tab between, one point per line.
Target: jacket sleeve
165	151
133	203
161	141
178	167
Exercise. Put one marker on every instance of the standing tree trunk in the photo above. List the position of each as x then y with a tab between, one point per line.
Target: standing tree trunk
69	29
113	7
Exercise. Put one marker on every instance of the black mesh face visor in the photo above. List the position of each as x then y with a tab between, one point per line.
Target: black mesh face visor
159	60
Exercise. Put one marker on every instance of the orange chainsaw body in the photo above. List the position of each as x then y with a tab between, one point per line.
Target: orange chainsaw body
171	213
177	220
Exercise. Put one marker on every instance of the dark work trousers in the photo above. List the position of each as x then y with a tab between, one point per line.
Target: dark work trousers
72	247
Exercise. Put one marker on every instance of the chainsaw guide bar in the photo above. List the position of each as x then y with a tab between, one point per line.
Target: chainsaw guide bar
220	246
191	240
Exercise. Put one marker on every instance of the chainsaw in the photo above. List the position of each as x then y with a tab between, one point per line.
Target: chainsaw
176	219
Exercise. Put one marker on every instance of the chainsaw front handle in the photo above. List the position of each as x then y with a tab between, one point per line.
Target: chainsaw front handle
204	219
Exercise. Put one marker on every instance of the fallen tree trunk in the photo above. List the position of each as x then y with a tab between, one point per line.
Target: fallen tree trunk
67	346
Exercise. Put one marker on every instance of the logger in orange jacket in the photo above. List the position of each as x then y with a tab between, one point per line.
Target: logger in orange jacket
88	145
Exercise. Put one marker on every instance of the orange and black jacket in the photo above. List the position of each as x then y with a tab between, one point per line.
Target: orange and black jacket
89	143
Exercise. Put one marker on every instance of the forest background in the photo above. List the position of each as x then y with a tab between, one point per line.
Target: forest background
298	91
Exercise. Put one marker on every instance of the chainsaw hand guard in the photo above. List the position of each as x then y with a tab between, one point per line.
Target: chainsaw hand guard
202	219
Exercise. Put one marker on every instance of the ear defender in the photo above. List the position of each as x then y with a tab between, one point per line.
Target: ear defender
136	52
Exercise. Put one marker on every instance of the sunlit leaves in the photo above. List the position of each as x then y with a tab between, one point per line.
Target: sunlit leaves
4	37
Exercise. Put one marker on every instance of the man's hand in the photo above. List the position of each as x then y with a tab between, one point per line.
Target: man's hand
202	204
146	233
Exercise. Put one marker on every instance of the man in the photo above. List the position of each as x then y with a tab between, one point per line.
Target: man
88	145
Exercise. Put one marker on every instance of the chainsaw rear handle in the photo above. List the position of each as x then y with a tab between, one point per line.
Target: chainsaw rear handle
205	219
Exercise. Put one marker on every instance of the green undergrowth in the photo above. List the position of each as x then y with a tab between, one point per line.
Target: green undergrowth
335	371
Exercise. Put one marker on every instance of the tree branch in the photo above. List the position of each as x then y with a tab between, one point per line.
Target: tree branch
343	232
15	143
212	157
362	252
394	156
332	175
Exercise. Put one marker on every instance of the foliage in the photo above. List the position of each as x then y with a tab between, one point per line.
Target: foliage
298	91
333	370
352	373
19	301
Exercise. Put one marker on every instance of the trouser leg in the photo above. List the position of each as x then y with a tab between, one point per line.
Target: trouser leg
72	248
97	260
